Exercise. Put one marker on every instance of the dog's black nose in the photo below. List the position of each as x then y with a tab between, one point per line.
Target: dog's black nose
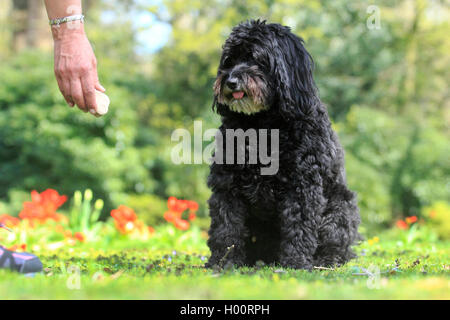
232	83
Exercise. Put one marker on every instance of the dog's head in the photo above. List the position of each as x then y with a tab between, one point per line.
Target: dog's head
265	66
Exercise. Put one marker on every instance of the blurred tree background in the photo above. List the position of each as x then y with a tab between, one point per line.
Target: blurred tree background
386	90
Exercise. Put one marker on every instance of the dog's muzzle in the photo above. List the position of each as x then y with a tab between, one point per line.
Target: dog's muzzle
238	98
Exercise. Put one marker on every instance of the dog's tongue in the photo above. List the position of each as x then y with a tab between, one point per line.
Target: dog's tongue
238	94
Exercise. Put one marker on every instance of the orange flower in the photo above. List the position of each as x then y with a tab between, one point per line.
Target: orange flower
9	221
18	247
402	224
67	234
170	216
127	222
177	205
43	207
176	208
124	213
192	205
49	197
181	224
80	236
410	220
433	214
73	238
124	219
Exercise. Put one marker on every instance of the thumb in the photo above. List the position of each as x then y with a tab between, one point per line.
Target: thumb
98	86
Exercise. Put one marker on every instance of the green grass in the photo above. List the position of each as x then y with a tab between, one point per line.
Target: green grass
419	271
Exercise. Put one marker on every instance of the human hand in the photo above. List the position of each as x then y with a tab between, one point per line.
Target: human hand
76	67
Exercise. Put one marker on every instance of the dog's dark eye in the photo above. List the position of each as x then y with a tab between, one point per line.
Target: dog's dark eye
227	62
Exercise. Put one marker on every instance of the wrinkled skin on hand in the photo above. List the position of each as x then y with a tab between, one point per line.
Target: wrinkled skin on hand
76	67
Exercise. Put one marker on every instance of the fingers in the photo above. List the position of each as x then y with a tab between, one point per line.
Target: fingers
76	74
76	71
65	90
64	86
98	86
76	92
80	91
87	84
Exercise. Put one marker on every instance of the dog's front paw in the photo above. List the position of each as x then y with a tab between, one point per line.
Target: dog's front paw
210	265
298	262
233	263
224	262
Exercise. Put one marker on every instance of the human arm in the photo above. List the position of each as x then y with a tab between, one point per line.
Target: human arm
75	63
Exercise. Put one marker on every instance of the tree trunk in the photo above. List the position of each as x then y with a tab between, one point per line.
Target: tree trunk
27	21
17	17
87	4
34	14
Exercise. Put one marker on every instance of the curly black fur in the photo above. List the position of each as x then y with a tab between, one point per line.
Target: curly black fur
304	215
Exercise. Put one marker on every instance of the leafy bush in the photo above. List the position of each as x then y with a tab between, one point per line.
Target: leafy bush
149	207
44	143
397	165
439	216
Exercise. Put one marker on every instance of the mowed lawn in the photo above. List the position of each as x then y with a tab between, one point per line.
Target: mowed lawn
384	270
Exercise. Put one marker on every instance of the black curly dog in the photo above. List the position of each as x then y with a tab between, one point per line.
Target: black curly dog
304	215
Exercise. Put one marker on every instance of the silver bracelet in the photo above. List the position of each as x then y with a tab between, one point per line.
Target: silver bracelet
58	21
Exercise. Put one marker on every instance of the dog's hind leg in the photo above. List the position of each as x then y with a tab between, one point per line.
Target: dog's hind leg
338	229
228	232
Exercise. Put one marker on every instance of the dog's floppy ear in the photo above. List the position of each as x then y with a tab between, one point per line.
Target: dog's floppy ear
293	68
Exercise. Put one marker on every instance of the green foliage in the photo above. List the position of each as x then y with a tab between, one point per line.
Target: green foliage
15	204
149	208
84	216
45	144
438	215
417	234
415	272
169	237
387	96
395	164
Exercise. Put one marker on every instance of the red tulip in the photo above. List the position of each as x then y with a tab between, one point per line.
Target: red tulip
9	221
176	208
80	236
124	219
402	224
43	207
181	224
411	219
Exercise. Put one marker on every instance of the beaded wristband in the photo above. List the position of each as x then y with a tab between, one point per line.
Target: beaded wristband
58	21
